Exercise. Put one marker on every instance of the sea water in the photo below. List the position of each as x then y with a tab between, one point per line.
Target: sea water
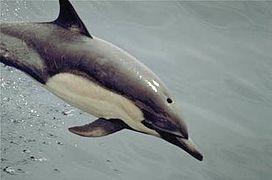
216	59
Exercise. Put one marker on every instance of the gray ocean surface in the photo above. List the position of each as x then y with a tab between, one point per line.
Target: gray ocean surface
216	59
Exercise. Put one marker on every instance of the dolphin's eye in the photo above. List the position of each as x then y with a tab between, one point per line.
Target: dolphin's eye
169	100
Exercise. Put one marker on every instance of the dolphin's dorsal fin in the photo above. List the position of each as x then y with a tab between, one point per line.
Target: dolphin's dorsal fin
69	19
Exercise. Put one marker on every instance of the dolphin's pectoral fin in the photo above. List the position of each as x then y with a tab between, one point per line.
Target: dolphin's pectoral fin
98	128
69	19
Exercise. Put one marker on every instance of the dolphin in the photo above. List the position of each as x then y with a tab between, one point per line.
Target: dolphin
94	76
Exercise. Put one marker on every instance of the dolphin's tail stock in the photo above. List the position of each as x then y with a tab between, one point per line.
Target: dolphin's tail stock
16	53
16	49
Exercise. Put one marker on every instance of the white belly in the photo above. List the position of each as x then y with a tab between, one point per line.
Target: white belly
96	100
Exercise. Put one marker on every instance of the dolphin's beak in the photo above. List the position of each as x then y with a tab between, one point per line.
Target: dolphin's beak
186	144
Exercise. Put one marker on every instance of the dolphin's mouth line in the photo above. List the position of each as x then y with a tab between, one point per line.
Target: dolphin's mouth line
159	129
191	148
185	144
